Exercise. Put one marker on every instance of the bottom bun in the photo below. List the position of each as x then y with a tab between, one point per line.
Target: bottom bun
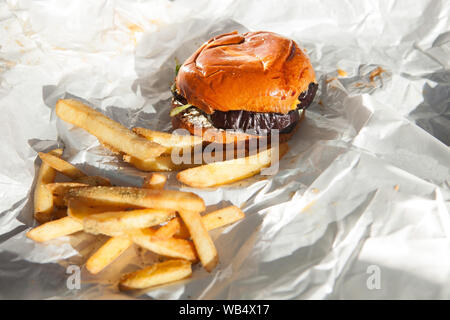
212	134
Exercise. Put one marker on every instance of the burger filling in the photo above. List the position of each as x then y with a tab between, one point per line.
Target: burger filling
257	122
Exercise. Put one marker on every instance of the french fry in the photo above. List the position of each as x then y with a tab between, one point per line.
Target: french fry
94	181
107	253
55	229
222	217
169	140
170	229
160	273
79	209
218	173
59	189
61	165
213	220
43	199
172	247
154	181
71	171
162	164
203	243
113	150
160	199
107	130
113	248
119	222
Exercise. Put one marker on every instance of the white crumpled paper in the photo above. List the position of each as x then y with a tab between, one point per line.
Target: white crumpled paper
360	206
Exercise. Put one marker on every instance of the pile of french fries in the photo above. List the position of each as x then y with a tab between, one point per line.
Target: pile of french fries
150	150
166	222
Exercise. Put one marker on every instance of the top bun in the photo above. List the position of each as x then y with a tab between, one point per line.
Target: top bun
255	71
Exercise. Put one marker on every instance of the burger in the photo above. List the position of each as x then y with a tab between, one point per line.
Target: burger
243	86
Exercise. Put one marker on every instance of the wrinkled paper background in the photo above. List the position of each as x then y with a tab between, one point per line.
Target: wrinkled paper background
365	186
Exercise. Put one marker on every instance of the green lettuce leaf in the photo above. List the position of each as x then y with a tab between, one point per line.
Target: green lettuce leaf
177	110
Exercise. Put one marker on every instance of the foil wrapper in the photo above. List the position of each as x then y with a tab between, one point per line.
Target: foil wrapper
360	205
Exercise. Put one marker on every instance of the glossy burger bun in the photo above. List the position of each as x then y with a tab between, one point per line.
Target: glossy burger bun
211	134
255	71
